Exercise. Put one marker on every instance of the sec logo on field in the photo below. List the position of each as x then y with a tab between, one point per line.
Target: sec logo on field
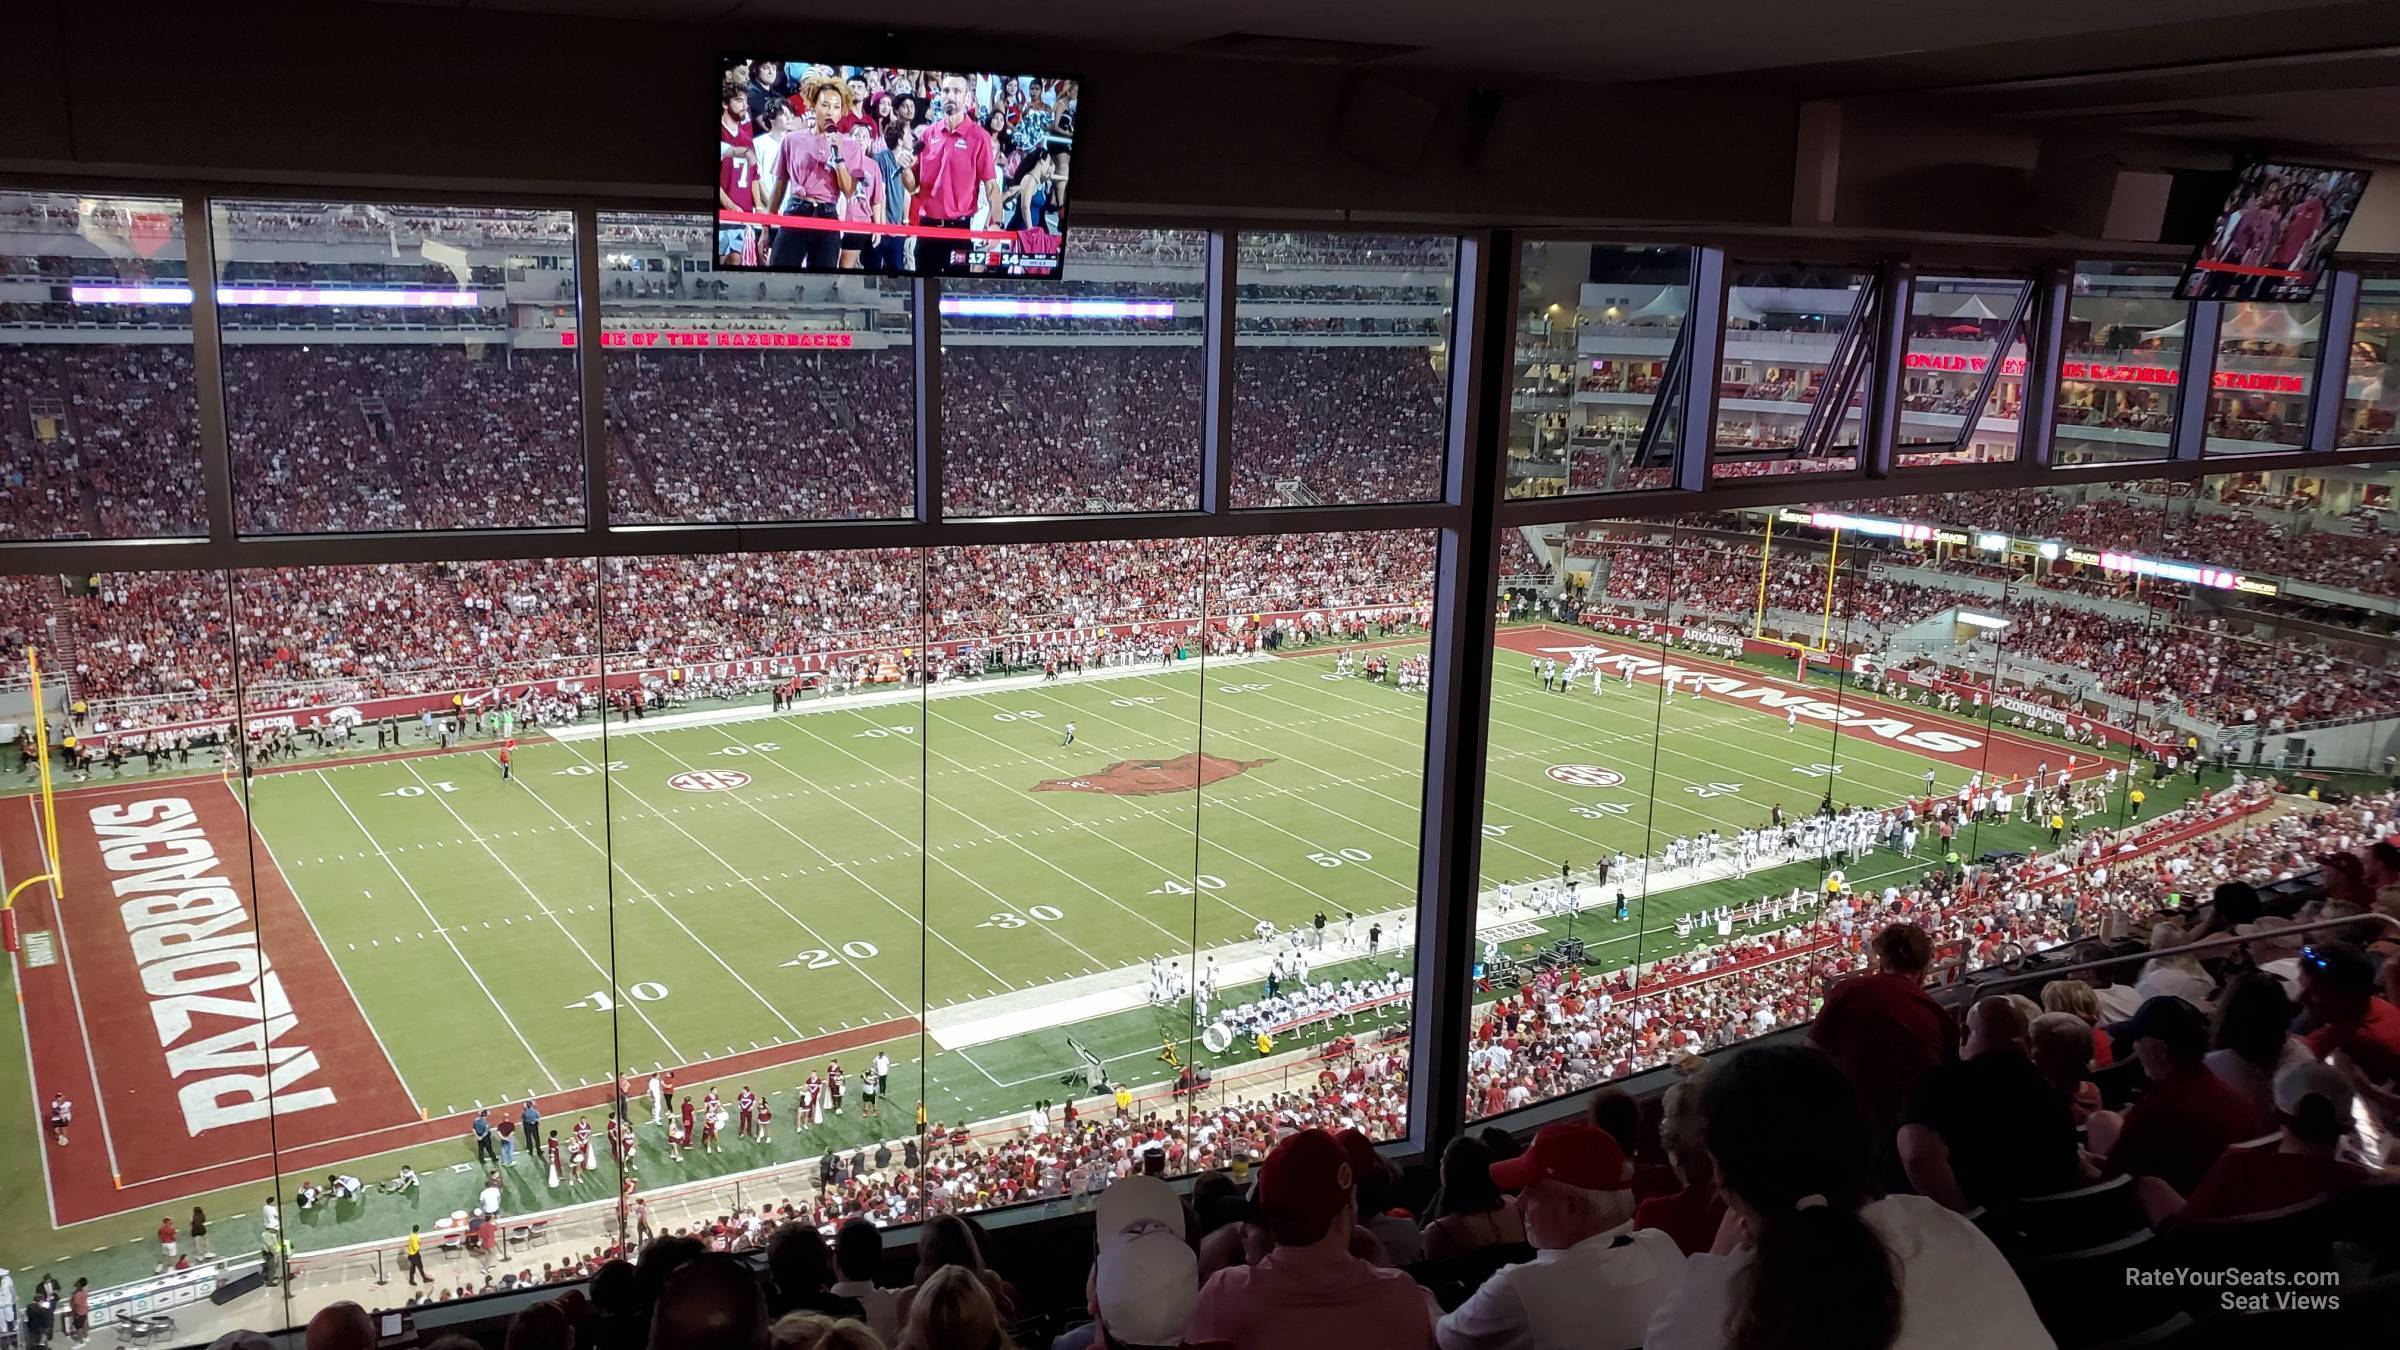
709	780
1584	775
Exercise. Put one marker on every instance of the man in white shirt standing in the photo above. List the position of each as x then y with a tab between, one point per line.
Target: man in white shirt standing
1595	1280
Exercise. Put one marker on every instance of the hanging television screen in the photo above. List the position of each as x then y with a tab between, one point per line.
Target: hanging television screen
2276	233
893	171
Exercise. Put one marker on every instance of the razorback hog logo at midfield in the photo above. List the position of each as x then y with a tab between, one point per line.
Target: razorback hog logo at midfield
1150	777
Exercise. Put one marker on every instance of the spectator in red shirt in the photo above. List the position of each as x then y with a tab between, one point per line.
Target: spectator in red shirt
1882	1027
2337	987
2312	1103
2188	1117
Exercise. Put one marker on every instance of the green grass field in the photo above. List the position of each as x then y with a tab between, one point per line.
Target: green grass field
532	934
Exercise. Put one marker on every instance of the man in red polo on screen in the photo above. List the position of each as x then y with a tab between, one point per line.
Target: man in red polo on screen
955	173
736	172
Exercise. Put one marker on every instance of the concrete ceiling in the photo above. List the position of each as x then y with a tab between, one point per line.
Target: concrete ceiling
2282	73
1584	40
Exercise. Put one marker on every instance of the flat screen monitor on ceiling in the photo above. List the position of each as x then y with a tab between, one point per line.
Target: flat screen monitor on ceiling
2276	233
883	170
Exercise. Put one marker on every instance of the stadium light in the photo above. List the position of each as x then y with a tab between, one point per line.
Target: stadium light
1987	622
1012	307
297	296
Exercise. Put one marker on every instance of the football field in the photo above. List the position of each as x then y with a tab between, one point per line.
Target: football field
746	895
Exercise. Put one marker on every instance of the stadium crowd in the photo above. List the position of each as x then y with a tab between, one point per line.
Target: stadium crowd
1887	1133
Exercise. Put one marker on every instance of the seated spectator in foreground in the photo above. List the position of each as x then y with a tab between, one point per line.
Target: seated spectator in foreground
1985	1130
1310	1292
1809	1256
1471	1212
710	1302
2061	1050
2187	1117
1145	1277
857	1256
953	1310
2337	987
949	1241
1693	1214
2252	1037
2081	1000
799	1269
2313	1102
340	1326
1403	1242
1882	1028
1594	1281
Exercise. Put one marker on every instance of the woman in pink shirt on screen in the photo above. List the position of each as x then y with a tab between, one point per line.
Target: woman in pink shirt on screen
862	205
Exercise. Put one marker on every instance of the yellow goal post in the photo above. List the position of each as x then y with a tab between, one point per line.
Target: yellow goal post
49	799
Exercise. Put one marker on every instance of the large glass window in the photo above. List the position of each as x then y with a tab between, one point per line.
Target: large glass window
1798	357
2124	353
99	435
1953	370
375	378
1599	335
2258	398
745	397
764	762
2371	401
1312	751
1340	360
1079	396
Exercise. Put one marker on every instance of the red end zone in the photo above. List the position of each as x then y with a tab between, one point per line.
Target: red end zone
1996	752
189	999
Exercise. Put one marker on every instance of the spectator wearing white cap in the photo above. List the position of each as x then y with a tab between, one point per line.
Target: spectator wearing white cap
1595	1280
1145	1277
2313	1102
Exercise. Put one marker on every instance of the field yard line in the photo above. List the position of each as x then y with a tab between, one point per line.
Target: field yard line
242	805
83	1026
1538	787
652	896
1665	744
918	845
1833	747
1002	837
607	975
442	929
1170	821
977	1065
905	1009
1418	745
1234	806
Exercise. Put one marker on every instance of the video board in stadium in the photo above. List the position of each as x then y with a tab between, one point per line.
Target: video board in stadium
2276	233
887	171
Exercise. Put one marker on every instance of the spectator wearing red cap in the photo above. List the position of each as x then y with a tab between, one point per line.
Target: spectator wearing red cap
1595	1281
1820	1260
1310	1292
